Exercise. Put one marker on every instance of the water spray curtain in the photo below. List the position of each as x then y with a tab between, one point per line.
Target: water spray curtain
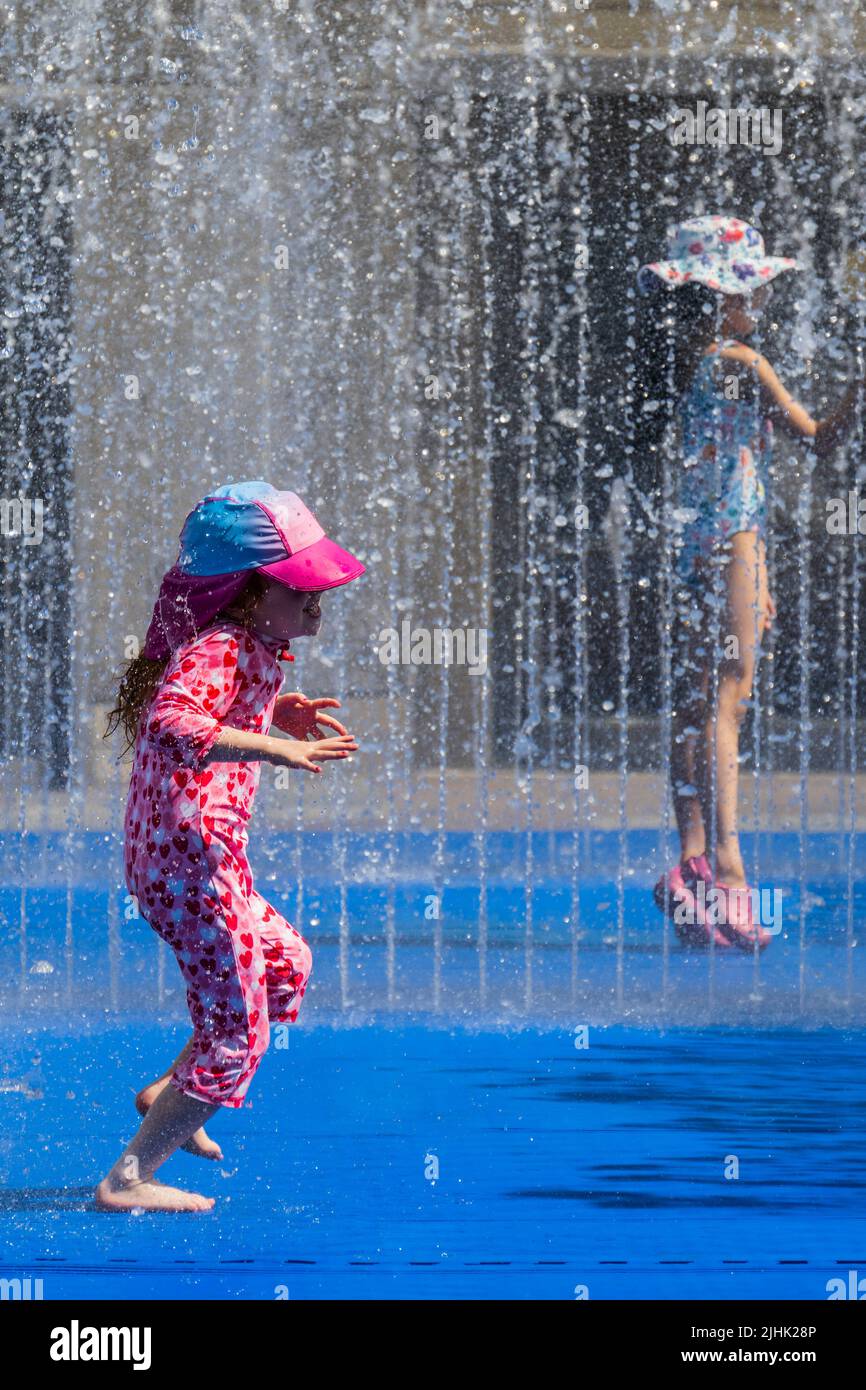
532	231
35	454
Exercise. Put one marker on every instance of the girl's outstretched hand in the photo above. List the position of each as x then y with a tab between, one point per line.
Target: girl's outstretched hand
300	717
298	753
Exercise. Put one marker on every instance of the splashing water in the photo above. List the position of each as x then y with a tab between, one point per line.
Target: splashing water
387	257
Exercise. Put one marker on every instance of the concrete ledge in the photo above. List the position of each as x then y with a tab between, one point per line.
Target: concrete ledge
354	798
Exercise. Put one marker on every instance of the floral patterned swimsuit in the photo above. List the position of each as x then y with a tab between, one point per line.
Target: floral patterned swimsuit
244	966
727	446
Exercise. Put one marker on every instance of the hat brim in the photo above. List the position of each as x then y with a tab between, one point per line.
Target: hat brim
674	275
322	565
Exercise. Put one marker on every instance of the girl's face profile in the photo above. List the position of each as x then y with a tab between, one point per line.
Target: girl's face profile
287	613
742	311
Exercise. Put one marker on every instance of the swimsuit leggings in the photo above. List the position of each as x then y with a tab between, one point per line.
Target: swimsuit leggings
245	967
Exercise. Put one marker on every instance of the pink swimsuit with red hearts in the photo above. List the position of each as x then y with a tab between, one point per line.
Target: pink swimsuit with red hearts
244	966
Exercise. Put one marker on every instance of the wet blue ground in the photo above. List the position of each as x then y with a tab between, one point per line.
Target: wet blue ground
557	1167
719	1152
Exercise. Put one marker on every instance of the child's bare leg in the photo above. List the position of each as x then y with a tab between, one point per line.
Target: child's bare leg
744	621
200	1144
171	1120
687	767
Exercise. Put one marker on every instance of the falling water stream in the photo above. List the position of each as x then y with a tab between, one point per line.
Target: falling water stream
285	223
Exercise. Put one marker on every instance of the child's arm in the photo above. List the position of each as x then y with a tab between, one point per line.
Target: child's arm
828	433
186	719
242	745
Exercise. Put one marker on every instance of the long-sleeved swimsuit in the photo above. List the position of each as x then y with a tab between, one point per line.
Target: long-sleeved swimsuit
244	966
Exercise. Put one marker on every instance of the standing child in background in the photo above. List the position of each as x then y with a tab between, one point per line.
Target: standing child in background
198	704
709	294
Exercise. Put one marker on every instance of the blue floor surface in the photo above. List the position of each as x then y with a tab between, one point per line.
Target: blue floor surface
710	1142
559	1169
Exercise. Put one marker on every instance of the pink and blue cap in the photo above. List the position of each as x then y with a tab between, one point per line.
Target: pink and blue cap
252	526
233	531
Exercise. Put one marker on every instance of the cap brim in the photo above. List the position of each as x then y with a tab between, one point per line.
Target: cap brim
322	565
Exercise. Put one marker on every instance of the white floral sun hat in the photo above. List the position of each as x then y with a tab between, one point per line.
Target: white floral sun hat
723	253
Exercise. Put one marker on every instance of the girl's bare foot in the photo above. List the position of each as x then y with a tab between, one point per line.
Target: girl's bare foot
113	1194
200	1144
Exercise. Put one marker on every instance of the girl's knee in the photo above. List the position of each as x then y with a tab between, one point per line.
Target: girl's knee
288	967
735	692
737	668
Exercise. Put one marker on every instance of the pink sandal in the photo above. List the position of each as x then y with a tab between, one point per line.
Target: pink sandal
679	896
738	923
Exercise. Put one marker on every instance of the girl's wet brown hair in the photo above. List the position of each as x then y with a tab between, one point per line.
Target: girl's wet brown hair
140	679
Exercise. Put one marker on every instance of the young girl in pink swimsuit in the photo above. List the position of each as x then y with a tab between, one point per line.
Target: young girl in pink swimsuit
199	704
